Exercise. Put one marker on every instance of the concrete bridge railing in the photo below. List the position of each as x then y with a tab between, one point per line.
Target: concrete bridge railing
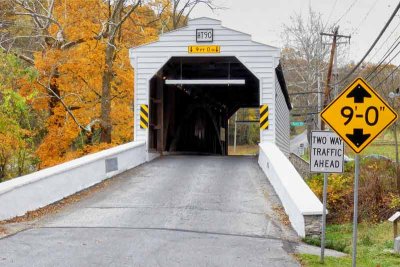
300	203
47	186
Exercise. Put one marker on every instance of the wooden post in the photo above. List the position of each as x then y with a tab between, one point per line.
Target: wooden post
328	78
395	219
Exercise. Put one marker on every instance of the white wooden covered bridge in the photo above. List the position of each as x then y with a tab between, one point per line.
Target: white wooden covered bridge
202	74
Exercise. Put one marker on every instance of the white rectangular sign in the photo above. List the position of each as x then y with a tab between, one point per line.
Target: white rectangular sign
326	153
204	35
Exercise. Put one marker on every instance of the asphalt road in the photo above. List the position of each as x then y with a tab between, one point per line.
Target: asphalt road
174	211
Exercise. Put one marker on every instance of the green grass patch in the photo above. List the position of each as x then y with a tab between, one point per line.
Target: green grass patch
306	155
374	241
384	150
243	150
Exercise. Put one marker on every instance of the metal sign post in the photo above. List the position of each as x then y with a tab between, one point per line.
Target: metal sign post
363	116
324	199
326	156
355	212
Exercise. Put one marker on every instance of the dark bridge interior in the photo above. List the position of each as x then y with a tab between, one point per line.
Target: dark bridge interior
189	115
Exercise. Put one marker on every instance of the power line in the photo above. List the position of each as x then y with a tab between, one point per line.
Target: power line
373	44
330	14
345	13
365	17
387	77
385	56
303	114
386	64
306	93
384	42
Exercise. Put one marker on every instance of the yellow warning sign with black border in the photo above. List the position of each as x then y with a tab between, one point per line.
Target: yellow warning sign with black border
358	115
144	116
264	113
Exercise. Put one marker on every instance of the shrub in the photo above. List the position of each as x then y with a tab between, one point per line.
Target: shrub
378	197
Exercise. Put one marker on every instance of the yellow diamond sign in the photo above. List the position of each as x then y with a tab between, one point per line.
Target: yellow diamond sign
358	115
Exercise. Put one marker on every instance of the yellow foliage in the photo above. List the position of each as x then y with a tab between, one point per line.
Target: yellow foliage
8	145
79	79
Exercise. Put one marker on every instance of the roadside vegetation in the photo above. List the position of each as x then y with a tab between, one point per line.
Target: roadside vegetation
374	246
378	195
378	200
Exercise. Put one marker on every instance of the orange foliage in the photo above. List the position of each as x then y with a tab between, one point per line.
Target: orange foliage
79	81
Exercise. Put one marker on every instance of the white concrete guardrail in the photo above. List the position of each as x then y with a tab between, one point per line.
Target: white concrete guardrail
41	188
300	203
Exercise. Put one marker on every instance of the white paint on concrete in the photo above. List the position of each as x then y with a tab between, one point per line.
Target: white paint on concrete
297	198
47	186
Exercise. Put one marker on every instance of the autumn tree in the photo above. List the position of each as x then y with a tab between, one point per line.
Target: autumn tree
20	125
71	38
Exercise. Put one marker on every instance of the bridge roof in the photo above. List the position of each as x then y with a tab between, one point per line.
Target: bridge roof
204	22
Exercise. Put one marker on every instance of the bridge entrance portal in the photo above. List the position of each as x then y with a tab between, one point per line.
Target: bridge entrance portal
191	100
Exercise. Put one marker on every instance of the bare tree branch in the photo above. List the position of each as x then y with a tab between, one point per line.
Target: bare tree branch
66	107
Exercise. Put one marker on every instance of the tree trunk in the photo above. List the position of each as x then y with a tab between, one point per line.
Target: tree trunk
105	117
54	101
108	73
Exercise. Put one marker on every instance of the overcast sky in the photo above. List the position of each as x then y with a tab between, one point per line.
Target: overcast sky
263	19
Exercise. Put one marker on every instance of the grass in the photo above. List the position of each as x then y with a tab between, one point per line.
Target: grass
376	147
374	244
306	155
384	150
243	150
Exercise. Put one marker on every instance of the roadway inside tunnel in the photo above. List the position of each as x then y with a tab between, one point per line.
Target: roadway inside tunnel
192	99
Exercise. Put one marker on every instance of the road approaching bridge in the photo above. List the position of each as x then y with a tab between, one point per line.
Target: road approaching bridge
173	211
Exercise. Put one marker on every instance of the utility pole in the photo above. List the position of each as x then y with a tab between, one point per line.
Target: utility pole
397	155
319	88
319	100
394	95
332	58
235	132
329	75
335	73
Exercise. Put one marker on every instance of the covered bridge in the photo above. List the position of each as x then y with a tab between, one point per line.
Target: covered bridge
192	80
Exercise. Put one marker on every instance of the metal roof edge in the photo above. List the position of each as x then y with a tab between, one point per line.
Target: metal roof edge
204	17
